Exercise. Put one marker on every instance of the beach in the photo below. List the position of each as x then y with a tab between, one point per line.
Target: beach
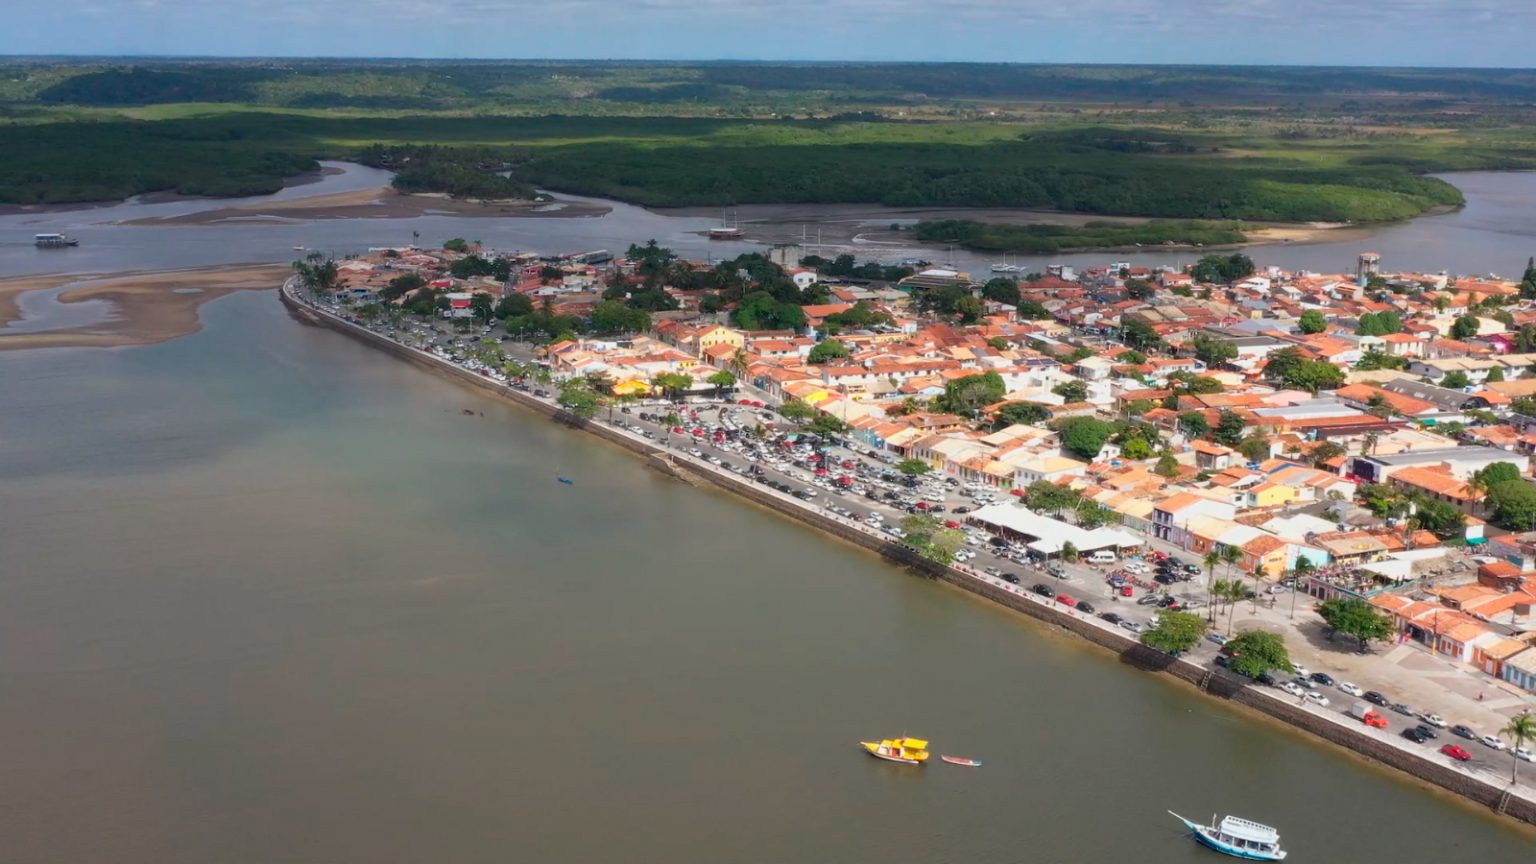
146	308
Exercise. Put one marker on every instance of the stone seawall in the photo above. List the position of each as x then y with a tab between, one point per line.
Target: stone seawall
1214	682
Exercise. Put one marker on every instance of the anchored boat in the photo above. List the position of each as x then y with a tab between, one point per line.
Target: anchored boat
907	751
1239	838
962	760
53	241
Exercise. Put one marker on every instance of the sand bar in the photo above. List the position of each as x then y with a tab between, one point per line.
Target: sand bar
380	202
147	307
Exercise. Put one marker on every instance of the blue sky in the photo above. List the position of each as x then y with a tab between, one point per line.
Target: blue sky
1325	32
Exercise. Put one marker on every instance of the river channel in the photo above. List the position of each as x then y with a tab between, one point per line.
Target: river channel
270	595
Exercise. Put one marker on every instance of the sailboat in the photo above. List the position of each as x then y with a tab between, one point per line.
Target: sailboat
728	230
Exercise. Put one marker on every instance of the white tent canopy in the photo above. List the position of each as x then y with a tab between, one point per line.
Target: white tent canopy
1051	534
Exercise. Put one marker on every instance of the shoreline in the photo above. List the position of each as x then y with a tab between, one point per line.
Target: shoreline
145	307
1379	749
378	202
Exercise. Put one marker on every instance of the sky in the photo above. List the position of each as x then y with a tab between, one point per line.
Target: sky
1304	32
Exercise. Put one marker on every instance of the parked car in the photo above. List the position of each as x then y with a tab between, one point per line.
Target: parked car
1042	589
1292	688
1456	753
1132	626
1322	678
1351	689
1427	731
1066	600
1402	708
1492	741
1525	753
1464	732
1300	670
1010	578
1433	720
1416	735
1316	697
1111	617
1217	638
1374	698
1085	607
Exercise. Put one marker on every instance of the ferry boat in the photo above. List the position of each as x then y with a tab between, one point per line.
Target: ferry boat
907	751
53	241
1236	837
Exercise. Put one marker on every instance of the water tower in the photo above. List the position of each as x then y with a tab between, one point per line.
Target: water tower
1368	265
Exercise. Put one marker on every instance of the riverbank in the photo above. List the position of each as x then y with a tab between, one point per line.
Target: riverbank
379	202
140	308
1372	744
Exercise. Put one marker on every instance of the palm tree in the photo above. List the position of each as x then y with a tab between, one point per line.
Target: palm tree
1300	571
1231	590
1368	445
738	363
1521	728
1212	558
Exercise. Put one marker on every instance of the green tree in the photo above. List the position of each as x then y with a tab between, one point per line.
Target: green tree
576	396
1136	448
1373	359
1069	552
1492	475
1001	291
1513	505
913	467
1023	413
1043	496
1222	268
1084	436
1356	618
723	381
1194	424
457	244
1315	375
1210	562
827	349
1229	428
672	384
1138	334
1312	321
1254	652
1167	465
1131	357
514	306
1072	391
1213	351
610	317
1139	289
1438	517
1255	448
1520	729
1229	591
1175	633
1382	323
1325	451
928	536
796	410
1465	327
826	424
1455	380
965	396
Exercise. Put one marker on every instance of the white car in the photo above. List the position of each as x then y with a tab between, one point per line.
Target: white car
1525	753
1292	688
1317	698
1302	671
1433	720
1350	689
1492	741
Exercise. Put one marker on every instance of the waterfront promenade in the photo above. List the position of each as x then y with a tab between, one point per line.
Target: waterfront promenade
1481	784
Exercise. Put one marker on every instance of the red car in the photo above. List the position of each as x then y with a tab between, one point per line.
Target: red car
1455	752
952	524
1066	599
1125	591
677	430
743	401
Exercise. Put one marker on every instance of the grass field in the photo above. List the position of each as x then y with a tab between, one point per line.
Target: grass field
1171	142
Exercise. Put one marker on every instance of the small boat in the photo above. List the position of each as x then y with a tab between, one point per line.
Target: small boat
961	760
1236	837
53	241
298	248
566	480
907	751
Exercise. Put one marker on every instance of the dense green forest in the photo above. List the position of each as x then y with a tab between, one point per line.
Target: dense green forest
1043	239
1212	143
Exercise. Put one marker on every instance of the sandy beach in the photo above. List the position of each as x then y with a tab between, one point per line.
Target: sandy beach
146	307
380	202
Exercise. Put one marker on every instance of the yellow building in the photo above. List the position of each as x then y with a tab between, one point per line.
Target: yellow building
718	335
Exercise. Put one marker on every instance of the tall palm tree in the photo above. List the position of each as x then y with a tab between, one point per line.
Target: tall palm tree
1300	571
1521	728
1211	559
1368	445
738	363
1231	590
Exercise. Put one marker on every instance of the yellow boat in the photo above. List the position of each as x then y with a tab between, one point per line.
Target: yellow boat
907	751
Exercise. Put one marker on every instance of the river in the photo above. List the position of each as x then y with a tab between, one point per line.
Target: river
1495	232
269	595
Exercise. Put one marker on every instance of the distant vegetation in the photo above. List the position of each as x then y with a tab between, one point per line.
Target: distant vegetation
992	237
1208	143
